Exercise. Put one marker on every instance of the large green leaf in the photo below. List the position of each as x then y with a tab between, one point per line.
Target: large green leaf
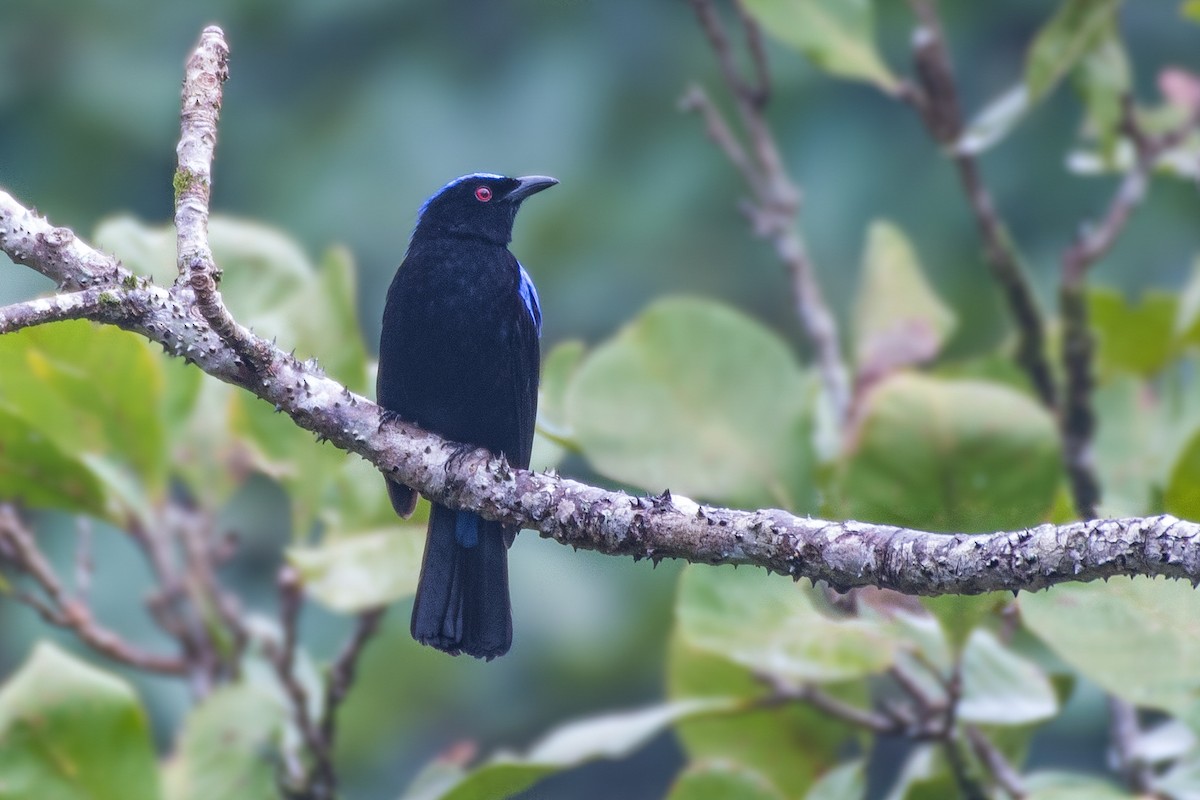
952	455
721	780
1137	638
607	736
1140	339
36	472
899	320
228	747
1000	687
790	744
837	35
90	389
1076	28
698	398
71	732
768	624
353	573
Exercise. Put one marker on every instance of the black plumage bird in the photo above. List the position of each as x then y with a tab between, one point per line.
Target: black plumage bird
459	356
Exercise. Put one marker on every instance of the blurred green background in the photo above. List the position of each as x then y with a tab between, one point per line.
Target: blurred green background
340	117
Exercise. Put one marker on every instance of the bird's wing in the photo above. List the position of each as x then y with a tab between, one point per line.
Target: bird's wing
526	364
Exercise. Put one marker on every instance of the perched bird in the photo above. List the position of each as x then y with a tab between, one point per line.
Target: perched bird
459	356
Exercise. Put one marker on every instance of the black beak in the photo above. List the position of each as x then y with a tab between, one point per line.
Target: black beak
530	184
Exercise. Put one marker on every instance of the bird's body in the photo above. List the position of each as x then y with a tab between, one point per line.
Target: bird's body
458	356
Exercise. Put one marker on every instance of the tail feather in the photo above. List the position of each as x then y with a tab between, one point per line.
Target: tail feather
462	601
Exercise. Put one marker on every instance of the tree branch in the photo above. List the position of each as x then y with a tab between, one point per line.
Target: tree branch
775	198
19	549
936	100
1079	346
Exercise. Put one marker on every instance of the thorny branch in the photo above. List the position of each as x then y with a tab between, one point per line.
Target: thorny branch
190	320
775	199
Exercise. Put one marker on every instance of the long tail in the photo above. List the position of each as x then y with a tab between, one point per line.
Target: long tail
462	597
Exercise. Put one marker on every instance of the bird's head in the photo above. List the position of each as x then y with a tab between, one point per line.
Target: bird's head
482	205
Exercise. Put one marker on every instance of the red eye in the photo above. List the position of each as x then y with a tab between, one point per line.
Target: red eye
483	194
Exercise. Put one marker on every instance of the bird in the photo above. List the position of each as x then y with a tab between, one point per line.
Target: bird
458	356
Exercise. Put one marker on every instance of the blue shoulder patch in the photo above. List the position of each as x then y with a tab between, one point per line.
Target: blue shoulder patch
472	177
530	297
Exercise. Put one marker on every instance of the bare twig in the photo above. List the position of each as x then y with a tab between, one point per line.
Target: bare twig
1078	420
936	100
1124	732
19	549
1004	773
318	780
829	705
338	681
775	200
85	565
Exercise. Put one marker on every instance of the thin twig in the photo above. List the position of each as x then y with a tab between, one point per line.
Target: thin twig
775	199
936	101
338	681
85	565
19	549
283	658
1078	419
829	705
1002	771
1124	733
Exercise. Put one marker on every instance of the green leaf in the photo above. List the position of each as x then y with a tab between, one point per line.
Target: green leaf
1182	494
1075	29
35	472
836	35
768	624
1051	785
90	389
698	398
1135	638
845	782
1103	78
720	780
899	320
790	744
952	455
227	747
997	119
1190	9
1131	447
602	737
553	436
1139	339
1000	687
367	570
959	614
71	732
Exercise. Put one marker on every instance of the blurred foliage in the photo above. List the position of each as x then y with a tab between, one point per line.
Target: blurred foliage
339	118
